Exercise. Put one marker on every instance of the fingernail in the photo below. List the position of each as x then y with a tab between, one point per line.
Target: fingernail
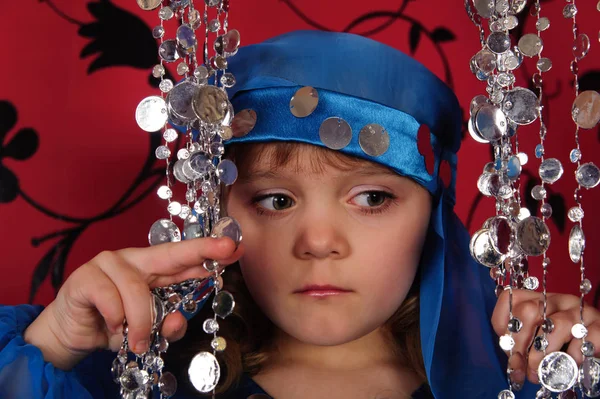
141	346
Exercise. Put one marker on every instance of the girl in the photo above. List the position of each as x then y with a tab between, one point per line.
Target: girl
357	282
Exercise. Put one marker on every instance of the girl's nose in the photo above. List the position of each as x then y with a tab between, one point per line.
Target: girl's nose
321	237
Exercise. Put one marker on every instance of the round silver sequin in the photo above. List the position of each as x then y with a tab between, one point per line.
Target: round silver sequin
581	46
507	342
179	101
490	122
531	283
558	372
204	372
133	378
521	106
335	133
589	377
533	236
579	331
498	42
506	394
544	64
148	5
485	61
211	104
162	152
164	192
550	170
482	249
168	50
499	233
243	122
227	227
223	304
304	102
186	37
210	326
586	109
151	114
167	384
474	133
542	24
227	172
530	44
374	140
588	175
485	8
162	231
576	243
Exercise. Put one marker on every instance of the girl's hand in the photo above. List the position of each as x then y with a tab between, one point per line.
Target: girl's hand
562	309
89	309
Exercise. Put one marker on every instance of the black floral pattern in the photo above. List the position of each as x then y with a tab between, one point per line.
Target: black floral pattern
20	147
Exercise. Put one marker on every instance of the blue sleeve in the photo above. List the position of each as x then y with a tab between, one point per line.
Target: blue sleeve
25	374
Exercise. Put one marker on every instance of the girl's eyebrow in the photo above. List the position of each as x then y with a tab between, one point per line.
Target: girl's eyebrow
252	176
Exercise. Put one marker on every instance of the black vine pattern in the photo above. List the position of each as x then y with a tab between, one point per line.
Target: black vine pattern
21	147
120	38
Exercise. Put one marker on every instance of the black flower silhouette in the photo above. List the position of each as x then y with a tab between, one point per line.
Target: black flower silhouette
119	36
22	146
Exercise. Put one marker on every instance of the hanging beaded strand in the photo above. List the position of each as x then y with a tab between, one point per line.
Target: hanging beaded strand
190	106
585	113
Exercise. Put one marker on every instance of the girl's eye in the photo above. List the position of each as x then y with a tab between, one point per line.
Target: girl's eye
372	198
275	202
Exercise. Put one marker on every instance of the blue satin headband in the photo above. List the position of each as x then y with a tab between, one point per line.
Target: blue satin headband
362	82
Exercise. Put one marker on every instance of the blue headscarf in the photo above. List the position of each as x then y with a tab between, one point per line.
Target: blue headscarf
363	82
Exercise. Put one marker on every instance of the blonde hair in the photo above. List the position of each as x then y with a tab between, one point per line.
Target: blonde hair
248	331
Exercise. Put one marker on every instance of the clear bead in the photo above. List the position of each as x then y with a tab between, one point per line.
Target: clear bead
170	135
164	192
546	210
585	287
182	68
219	344
550	170
569	11
540	343
507	342
167	384
214	25
165	85
538	193
575	155
158	71
575	214
539	151
514	325
547	325
506	394
166	13
531	283
579	331
158	32
162	152
587	349
210	326
588	175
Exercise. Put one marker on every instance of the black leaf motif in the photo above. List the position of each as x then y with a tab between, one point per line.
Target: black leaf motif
121	38
22	146
58	268
414	37
41	271
559	211
590	81
441	34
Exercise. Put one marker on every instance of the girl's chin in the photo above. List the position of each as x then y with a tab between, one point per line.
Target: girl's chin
327	334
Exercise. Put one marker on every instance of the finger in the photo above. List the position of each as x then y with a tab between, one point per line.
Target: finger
135	294
172	258
95	288
593	336
530	314
517	365
174	327
555	303
195	272
560	335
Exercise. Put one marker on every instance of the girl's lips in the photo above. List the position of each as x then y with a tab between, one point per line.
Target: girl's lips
321	290
323	293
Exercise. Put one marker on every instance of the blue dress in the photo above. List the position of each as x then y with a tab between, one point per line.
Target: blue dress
25	374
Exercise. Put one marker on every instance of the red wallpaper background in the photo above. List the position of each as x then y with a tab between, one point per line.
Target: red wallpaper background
91	152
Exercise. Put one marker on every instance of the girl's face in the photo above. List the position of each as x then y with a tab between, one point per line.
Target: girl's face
311	223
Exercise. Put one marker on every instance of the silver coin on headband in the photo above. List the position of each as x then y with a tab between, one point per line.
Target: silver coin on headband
243	122
335	133
304	102
374	139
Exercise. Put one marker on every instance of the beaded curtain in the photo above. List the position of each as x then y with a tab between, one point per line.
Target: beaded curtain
77	175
